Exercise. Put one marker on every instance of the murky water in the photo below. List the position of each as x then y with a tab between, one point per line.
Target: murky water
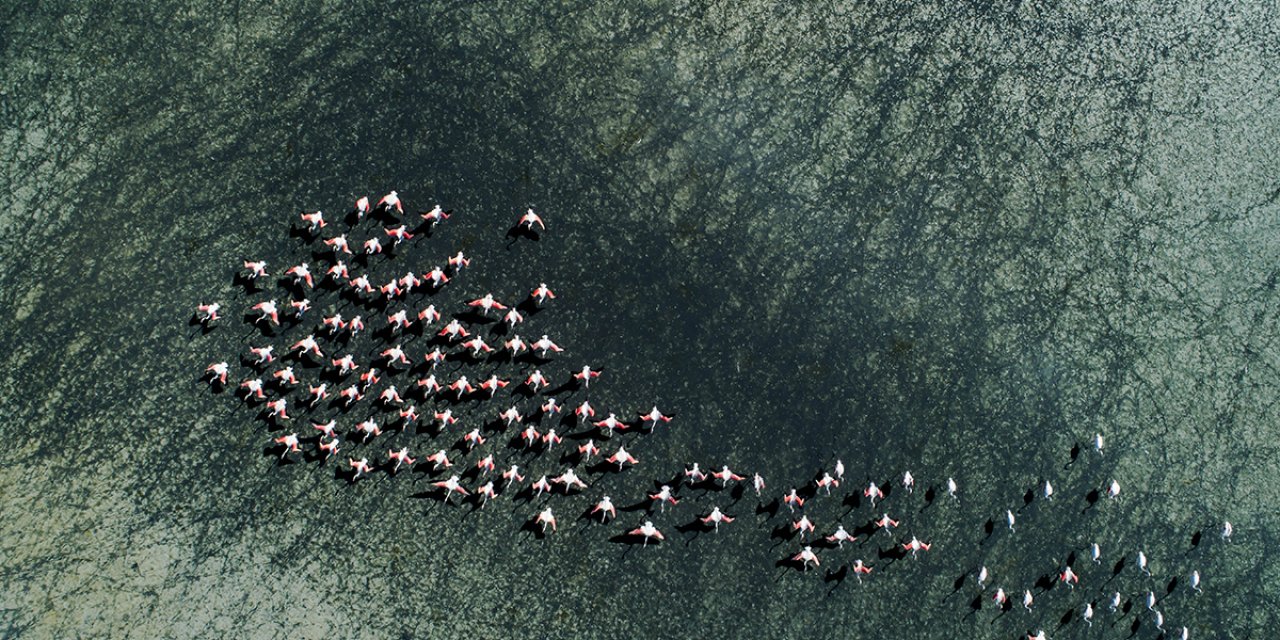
952	240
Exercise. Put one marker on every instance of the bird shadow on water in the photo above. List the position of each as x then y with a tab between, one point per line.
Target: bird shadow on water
532	527
251	361
564	388
929	495
865	530
643	505
303	232
427	228
291	286
835	578
475	318
1065	619
529	307
277	453
1092	499
214	383
498	330
589	517
1005	607
1027	498
1134	628
890	556
770	509
696	527
242	281
783	534
790	564
518	232
632	540
851	502
1075	455
975	605
257	327
204	328
347	475
1116	569
475	501
988	527
526	495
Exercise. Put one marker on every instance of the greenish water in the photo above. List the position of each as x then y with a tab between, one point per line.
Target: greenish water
950	239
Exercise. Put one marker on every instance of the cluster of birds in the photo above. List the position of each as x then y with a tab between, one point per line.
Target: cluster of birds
1095	594
533	425
434	404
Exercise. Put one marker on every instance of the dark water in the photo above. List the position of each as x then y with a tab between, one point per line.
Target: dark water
951	239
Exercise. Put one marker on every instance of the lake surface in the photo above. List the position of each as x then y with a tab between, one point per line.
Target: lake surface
955	239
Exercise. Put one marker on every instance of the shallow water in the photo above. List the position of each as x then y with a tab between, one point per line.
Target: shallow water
955	240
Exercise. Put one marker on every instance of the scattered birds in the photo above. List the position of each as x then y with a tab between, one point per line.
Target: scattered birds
415	338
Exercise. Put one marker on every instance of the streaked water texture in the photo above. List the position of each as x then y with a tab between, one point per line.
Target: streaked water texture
955	239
